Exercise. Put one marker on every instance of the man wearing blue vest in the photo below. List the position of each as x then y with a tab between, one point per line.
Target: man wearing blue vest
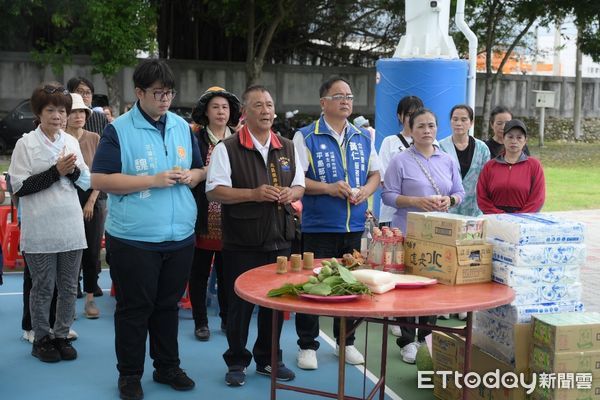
147	161
342	171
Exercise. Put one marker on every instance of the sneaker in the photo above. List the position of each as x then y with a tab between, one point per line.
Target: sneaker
307	359
283	372
44	350
28	336
236	376
462	316
444	316
353	356
175	377
98	292
202	333
91	311
395	330
409	352
130	387
65	349
72	335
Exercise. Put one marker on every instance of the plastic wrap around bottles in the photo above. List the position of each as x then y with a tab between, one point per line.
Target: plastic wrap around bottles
441	84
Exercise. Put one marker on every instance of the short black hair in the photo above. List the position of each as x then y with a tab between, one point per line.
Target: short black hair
153	70
325	86
465	107
253	88
419	112
78	80
408	104
499	110
50	93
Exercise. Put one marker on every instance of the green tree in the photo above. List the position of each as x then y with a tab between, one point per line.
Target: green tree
111	32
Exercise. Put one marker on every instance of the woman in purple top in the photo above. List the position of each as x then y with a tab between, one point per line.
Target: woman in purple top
421	178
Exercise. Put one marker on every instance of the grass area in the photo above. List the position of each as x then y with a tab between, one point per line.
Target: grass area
572	174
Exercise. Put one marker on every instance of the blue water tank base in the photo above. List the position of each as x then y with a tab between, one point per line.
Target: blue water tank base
440	83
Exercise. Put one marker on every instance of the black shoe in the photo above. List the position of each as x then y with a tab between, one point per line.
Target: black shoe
236	376
130	387
98	292
79	292
44	350
202	333
175	377
283	372
65	349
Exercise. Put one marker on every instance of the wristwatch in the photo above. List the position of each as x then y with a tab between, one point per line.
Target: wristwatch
452	201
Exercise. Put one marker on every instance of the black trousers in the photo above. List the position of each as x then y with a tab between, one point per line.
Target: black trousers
408	334
236	263
198	284
148	286
325	245
90	260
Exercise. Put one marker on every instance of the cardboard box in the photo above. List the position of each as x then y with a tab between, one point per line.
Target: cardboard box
567	331
482	362
445	228
545	360
449	392
450	265
448	351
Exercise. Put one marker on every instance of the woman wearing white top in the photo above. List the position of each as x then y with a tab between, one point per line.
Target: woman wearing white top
45	167
393	145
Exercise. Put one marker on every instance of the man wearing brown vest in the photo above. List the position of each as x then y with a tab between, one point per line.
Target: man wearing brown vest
253	175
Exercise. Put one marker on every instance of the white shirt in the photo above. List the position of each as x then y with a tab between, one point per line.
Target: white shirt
219	168
390	146
302	150
51	219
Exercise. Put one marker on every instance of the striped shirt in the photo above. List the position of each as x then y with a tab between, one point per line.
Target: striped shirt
96	123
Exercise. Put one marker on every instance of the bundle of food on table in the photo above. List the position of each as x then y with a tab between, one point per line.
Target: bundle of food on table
334	279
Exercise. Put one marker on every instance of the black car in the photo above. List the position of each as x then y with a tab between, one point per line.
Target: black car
15	124
20	121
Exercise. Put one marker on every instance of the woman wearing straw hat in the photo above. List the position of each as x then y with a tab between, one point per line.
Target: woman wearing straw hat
216	110
92	202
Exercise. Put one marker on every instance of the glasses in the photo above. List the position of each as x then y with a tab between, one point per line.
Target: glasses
53	89
339	97
160	95
84	93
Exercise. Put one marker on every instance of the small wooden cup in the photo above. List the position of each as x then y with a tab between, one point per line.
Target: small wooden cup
309	260
282	264
296	261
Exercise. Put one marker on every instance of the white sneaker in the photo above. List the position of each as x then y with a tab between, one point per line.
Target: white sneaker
28	336
409	352
353	356
395	330
307	359
72	334
462	316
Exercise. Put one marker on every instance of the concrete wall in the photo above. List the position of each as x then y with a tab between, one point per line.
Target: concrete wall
293	87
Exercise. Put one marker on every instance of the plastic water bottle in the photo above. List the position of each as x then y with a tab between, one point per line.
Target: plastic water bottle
365	240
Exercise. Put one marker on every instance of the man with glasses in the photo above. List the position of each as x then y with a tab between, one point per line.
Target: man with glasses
342	171
85	88
147	161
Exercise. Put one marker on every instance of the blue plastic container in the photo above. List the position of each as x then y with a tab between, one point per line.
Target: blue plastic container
441	84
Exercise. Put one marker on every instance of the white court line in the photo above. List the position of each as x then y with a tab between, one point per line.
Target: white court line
361	368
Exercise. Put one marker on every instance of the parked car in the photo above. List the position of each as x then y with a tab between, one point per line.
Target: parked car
16	122
20	121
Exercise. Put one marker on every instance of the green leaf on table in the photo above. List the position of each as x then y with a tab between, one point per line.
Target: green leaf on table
346	275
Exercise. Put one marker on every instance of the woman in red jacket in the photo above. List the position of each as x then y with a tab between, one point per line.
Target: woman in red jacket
512	182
